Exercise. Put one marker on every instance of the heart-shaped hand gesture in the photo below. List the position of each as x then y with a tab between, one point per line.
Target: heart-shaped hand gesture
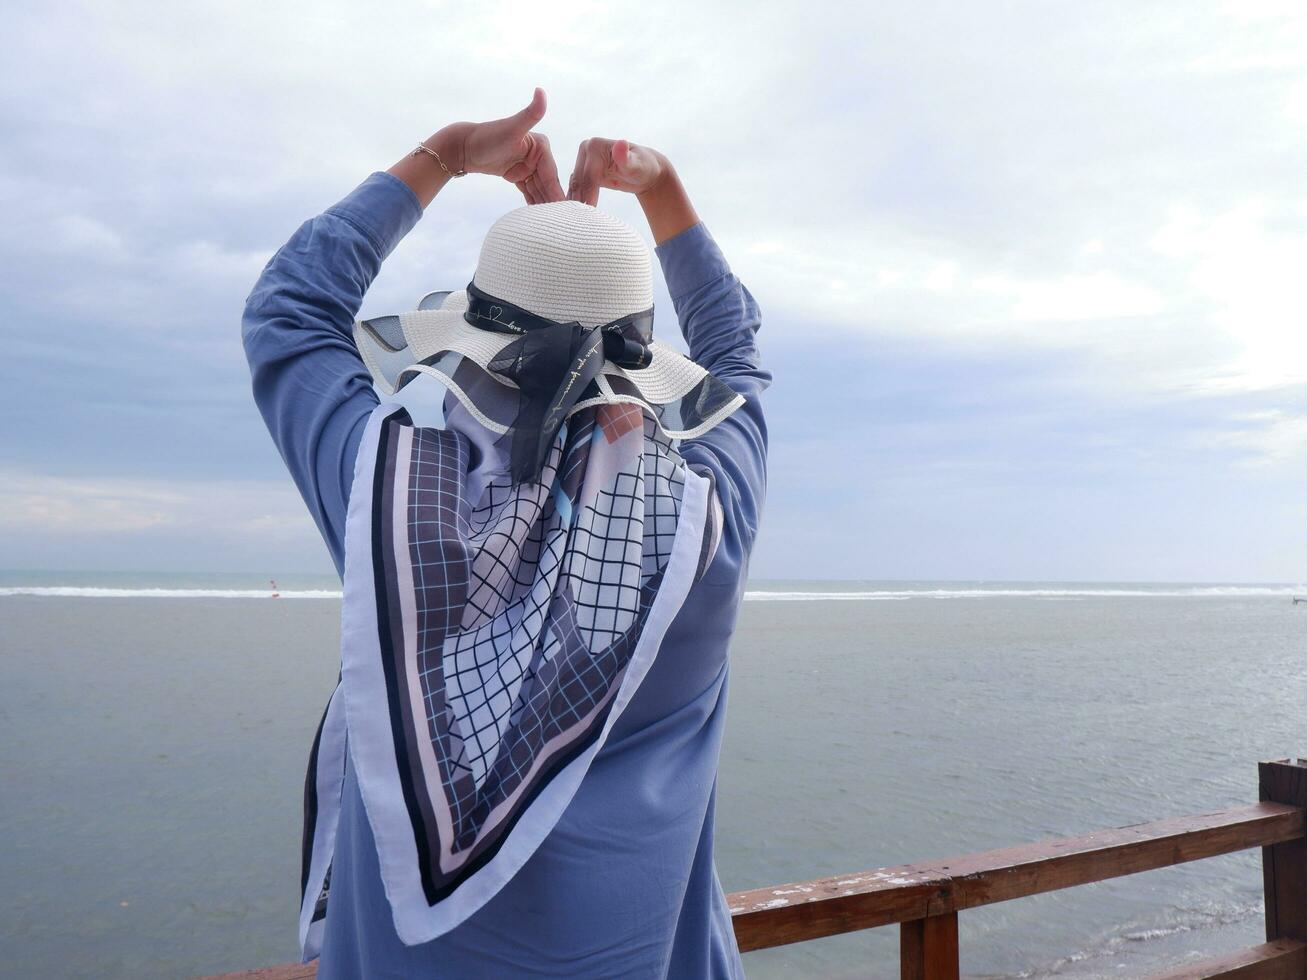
509	148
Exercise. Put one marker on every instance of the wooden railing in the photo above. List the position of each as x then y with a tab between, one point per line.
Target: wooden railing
925	899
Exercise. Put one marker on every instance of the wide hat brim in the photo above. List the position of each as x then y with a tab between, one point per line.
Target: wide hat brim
435	339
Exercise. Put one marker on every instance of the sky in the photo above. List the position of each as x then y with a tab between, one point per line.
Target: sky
1031	273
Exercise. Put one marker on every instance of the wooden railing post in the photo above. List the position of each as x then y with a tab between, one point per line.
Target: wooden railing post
928	948
1284	865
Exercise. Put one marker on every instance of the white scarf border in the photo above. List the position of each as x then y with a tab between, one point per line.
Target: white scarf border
362	689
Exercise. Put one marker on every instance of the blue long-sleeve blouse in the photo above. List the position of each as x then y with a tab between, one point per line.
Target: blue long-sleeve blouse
624	886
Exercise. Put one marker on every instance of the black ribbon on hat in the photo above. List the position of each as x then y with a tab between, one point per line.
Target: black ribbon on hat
552	364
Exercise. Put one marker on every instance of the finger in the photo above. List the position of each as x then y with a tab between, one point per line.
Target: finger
591	178
526	119
598	162
518	171
632	163
621	155
576	182
499	135
588	177
527	193
525	161
626	164
546	171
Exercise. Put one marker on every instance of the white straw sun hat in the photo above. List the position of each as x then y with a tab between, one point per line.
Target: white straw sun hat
540	266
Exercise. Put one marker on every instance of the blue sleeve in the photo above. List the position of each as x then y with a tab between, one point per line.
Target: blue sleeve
310	384
719	319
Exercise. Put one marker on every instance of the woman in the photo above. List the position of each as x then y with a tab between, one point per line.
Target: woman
594	859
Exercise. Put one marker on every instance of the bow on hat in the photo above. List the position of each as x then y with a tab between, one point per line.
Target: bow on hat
552	365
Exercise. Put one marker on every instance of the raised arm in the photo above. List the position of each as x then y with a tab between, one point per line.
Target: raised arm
717	315
309	383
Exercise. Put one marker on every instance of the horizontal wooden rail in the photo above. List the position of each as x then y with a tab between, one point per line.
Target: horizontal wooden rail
845	903
288	971
1283	959
926	897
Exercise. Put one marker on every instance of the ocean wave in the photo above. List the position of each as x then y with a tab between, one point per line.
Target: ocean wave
81	592
1140	943
1087	592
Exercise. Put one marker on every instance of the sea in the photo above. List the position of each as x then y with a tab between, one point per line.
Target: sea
154	731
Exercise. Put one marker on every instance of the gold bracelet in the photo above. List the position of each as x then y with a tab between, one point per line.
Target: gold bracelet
423	148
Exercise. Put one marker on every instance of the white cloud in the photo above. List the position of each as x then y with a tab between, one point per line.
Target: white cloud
1249	267
210	262
1101	295
1266	438
57	505
942	277
80	233
37	503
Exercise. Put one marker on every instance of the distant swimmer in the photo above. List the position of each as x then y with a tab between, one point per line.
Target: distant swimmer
275	593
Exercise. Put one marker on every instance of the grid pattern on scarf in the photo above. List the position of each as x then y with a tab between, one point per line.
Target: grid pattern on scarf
527	606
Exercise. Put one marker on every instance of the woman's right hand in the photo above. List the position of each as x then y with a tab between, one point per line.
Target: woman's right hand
620	165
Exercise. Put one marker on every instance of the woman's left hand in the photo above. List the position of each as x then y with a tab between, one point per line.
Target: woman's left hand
501	147
507	148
